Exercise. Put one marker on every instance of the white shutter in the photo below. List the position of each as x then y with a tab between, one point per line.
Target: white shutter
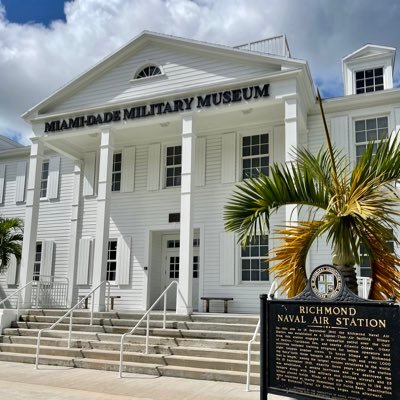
227	258
128	169
228	159
89	170
54	173
153	167
2	182
12	271
200	162
340	133
47	257
84	259
123	259
20	181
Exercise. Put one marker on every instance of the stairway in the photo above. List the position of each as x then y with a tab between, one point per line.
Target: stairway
199	346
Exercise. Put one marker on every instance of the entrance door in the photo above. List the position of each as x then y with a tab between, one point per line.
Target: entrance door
171	246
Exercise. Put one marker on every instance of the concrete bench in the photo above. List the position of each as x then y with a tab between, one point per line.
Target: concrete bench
224	299
112	299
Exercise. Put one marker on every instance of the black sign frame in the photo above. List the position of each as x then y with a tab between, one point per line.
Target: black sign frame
308	298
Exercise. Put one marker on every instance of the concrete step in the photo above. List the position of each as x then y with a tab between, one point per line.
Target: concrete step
111	341
171	316
212	326
189	333
107	355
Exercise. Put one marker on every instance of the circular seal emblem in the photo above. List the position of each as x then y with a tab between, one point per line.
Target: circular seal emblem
326	282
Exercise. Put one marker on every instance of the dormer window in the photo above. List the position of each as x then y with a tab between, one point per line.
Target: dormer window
148	71
369	80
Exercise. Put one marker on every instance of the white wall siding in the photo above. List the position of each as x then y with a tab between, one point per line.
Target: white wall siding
182	69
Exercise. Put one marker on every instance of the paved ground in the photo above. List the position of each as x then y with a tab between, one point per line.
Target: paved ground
22	382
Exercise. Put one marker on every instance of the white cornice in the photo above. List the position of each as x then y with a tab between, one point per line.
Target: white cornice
355	101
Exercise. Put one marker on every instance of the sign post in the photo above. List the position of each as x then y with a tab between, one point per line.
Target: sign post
327	343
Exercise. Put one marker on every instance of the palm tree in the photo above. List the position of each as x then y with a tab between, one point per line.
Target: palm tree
11	235
359	205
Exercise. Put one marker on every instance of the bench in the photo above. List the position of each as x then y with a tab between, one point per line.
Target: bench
112	299
224	299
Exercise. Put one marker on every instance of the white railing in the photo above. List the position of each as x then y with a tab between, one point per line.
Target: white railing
364	285
147	316
50	291
70	314
271	292
2	303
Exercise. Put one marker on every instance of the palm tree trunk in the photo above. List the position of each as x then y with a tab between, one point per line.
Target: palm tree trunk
349	275
344	261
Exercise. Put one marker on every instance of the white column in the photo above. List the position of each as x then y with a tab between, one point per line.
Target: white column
74	237
184	295
291	143
102	218
31	218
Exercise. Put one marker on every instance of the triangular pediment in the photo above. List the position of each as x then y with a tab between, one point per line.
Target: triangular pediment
185	65
370	51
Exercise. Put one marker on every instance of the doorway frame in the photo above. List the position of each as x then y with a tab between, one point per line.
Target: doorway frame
169	230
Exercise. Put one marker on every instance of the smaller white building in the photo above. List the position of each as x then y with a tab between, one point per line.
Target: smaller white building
131	165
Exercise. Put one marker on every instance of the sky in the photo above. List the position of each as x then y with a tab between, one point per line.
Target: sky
44	44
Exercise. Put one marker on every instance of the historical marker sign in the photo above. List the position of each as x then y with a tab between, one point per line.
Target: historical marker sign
329	344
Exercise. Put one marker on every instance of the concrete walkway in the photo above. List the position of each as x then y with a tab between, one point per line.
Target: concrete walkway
22	382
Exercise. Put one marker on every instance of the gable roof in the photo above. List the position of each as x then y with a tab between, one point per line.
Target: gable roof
370	50
144	38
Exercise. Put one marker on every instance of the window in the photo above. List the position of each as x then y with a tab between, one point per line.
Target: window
195	266
174	267
255	155
116	172
254	266
38	261
365	262
111	260
173	166
44	179
370	80
370	130
146	72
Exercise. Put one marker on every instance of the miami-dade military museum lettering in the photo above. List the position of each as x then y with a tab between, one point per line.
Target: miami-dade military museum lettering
166	107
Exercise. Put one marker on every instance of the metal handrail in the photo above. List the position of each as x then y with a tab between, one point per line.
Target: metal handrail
13	294
70	313
253	339
147	314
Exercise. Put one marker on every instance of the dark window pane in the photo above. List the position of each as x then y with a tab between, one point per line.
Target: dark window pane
359	91
371	123
245	275
378	71
246	141
379	80
360	125
382	122
369	73
246	151
360	75
360	137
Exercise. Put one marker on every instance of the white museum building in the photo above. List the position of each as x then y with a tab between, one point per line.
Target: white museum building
132	162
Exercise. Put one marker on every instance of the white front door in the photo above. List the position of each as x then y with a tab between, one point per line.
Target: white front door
171	245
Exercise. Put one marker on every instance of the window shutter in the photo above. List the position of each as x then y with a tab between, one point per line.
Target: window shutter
228	159
54	174
153	167
84	260
128	169
123	259
227	259
20	181
89	170
12	271
47	257
200	162
2	182
340	133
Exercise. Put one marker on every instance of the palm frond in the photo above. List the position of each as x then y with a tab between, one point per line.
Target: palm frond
291	255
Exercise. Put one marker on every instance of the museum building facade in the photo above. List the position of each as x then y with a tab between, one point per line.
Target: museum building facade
132	162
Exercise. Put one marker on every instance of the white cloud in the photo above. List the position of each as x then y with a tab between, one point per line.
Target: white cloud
35	60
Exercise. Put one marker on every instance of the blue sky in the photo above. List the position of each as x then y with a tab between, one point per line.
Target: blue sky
34	11
46	43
